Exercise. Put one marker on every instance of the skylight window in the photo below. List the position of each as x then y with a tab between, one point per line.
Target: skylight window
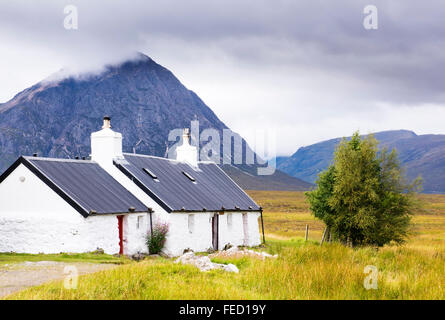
189	176
151	174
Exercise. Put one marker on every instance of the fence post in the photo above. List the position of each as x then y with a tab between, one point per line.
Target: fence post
307	232
324	235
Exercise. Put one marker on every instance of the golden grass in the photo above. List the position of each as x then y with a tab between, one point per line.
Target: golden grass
301	271
286	214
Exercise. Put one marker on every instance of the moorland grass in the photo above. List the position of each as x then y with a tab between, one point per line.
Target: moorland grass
303	270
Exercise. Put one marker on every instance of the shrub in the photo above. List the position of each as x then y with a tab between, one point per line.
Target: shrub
156	240
363	197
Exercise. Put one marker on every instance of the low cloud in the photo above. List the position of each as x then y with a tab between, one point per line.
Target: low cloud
307	69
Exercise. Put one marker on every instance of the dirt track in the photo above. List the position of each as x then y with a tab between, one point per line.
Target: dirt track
16	277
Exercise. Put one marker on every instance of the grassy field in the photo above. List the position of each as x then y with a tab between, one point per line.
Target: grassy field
10	258
303	270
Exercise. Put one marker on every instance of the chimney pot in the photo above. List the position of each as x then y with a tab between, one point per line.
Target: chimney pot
107	123
186	152
106	145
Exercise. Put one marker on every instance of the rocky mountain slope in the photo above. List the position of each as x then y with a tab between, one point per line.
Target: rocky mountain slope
145	100
422	155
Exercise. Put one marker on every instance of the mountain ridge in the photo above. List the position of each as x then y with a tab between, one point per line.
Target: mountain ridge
420	155
145	100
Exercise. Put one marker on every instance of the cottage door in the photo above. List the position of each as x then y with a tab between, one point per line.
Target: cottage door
120	223
215	227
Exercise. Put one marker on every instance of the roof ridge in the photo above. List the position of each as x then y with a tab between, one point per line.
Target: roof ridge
162	158
57	159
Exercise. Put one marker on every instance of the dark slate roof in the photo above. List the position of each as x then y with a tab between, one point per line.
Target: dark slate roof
83	184
212	189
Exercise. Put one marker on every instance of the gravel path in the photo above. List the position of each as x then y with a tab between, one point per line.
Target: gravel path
16	277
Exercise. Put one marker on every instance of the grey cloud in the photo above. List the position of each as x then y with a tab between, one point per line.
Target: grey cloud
405	53
316	46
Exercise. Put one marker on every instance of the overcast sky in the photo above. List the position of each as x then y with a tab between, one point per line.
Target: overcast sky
307	70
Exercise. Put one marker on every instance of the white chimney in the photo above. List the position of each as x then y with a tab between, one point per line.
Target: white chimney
106	144
186	152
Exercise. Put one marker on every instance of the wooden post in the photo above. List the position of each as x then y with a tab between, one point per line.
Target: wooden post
307	232
150	210
262	225
324	235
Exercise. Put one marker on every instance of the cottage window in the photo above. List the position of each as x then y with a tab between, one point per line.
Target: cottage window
191	222
229	221
139	222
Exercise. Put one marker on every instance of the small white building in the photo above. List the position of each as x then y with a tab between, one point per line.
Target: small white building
113	201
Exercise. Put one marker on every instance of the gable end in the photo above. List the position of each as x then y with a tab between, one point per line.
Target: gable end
45	180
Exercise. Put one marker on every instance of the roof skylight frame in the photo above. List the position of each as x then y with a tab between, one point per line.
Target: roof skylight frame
151	174
189	176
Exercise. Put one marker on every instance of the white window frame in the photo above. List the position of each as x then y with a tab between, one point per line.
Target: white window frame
191	222
139	222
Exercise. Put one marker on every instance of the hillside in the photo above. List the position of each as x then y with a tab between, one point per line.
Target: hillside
145	100
278	181
422	155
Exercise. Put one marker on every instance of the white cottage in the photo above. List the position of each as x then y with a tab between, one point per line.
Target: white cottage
113	201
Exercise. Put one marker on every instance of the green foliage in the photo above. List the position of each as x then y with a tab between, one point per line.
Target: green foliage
319	198
363	197
156	240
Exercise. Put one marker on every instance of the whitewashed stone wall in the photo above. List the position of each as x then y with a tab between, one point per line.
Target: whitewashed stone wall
135	233
33	234
231	229
199	238
254	237
34	219
180	237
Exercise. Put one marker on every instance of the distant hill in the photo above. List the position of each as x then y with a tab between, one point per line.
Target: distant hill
422	155
278	181
145	100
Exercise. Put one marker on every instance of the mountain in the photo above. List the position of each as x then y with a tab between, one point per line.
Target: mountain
278	181
55	117
422	155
